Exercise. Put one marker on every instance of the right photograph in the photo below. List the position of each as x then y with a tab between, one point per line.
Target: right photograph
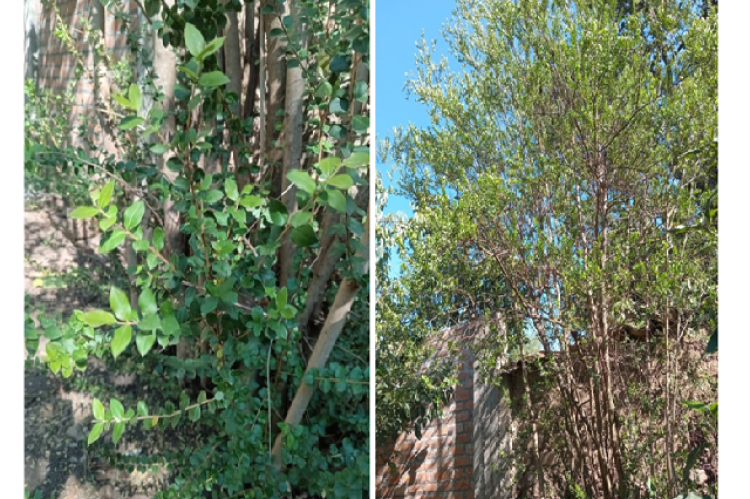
547	249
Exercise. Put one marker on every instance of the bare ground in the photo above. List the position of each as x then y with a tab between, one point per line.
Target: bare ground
58	412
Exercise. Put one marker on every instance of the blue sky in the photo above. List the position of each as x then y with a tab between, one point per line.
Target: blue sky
399	25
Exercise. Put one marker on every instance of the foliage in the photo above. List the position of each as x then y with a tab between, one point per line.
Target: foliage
562	165
227	309
408	394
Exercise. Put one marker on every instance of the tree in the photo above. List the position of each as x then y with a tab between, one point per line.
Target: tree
560	165
234	192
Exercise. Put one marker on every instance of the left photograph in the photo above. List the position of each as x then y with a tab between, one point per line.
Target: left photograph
197	179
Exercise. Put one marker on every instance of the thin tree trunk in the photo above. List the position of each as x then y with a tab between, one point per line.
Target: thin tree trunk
332	328
295	88
276	68
233	65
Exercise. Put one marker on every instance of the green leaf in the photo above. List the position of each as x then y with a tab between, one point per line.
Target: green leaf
339	106
194	40
713	342
337	201
124	102
158	238
328	166
357	159
304	236
696	406
277	212
360	124
213	196
281	298
117	432
106	223
300	218
209	305
134	96
115	406
170	326
150	322
98	409
119	303
141	246
308	379
117	237
213	79
339	64
211	47
134	214
360	91
96	318
52	333
251	201
95	433
342	181
239	215
147	302
106	195
230	187
130	122
194	414
83	212
159	148
121	340
324	90
302	180
288	312
142	408
144	342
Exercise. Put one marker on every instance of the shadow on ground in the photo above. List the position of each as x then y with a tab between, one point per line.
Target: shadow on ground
62	273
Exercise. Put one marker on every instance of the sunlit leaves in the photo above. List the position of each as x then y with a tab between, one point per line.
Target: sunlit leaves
134	214
302	180
120	304
96	318
106	194
95	433
328	166
213	79
194	40
84	212
342	181
144	342
134	96
121	340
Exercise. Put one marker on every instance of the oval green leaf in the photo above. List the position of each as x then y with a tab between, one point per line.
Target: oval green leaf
342	181
304	236
121	340
302	180
83	212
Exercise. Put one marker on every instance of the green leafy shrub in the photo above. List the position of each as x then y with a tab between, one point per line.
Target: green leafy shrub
245	249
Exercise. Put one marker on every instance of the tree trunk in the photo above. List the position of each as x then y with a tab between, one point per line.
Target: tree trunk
295	88
334	323
275	60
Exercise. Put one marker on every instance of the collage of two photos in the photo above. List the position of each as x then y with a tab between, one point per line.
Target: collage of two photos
459	249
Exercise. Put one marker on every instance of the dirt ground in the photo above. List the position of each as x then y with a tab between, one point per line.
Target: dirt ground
58	412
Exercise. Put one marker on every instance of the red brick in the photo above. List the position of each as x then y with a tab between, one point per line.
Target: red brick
461	485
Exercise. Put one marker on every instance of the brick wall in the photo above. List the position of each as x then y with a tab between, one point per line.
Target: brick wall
54	67
458	456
